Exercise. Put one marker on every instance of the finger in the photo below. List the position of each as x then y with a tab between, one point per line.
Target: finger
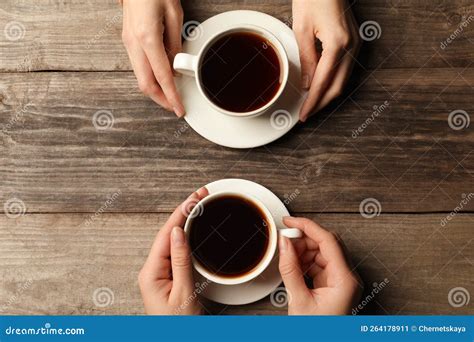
157	265
308	257
145	77
325	69
340	80
180	262
140	64
300	246
308	55
178	217
290	270
329	248
156	54
173	25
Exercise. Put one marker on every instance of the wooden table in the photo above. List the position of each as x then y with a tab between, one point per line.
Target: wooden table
95	199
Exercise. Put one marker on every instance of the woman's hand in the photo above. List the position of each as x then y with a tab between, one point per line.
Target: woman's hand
152	36
332	22
336	287
166	280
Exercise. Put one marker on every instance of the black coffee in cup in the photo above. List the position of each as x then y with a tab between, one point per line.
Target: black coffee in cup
240	72
230	236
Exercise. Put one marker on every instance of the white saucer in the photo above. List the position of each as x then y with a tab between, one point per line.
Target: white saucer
269	280
243	132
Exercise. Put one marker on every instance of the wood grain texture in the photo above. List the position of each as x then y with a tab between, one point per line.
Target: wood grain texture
408	157
52	263
85	35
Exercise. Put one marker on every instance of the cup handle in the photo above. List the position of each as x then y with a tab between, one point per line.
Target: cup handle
185	64
292	233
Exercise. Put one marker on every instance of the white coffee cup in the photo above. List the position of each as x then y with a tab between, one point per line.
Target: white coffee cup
190	65
272	241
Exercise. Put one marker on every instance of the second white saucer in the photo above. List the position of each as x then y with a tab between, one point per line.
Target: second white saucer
268	281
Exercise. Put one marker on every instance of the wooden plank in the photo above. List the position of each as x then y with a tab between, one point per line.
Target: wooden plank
85	35
408	157
53	263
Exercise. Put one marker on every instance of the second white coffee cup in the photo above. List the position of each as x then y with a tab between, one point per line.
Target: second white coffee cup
271	247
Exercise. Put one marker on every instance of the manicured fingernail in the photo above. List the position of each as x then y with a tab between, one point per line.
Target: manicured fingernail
305	82
283	243
178	236
179	111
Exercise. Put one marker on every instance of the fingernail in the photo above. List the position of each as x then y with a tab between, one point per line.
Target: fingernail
179	111
305	82
283	243
178	236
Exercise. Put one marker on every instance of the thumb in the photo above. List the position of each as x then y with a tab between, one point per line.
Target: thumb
290	270
181	265
308	55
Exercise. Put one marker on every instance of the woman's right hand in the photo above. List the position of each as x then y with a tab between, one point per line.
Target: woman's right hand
319	254
152	36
